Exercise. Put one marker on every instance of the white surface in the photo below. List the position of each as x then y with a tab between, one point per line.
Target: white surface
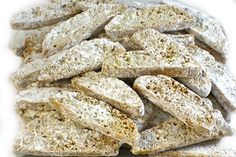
224	10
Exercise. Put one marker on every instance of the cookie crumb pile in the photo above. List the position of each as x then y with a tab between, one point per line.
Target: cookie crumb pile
98	77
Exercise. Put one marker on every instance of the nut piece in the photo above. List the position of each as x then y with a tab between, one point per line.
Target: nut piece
174	134
79	27
179	101
45	14
161	17
97	115
111	90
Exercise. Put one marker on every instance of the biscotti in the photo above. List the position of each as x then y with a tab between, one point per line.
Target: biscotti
223	82
48	133
30	56
93	4
121	78
150	112
151	39
35	95
218	57
183	39
26	74
45	14
200	85
133	64
174	134
38	115
178	100
226	114
207	29
37	99
160	57
81	58
79	27
169	48
64	83
213	148
126	41
112	91
97	115
154	40
162	18
28	40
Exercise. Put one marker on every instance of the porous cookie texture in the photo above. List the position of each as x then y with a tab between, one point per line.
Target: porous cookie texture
81	58
169	48
223	82
206	28
162	18
173	133
205	149
47	133
97	115
100	76
178	100
111	90
45	14
79	27
200	85
161	55
150	112
37	95
25	42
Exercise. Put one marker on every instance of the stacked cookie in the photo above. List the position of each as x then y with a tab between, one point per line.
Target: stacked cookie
97	76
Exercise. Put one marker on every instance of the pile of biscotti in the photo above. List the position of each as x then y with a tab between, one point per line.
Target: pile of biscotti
99	76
